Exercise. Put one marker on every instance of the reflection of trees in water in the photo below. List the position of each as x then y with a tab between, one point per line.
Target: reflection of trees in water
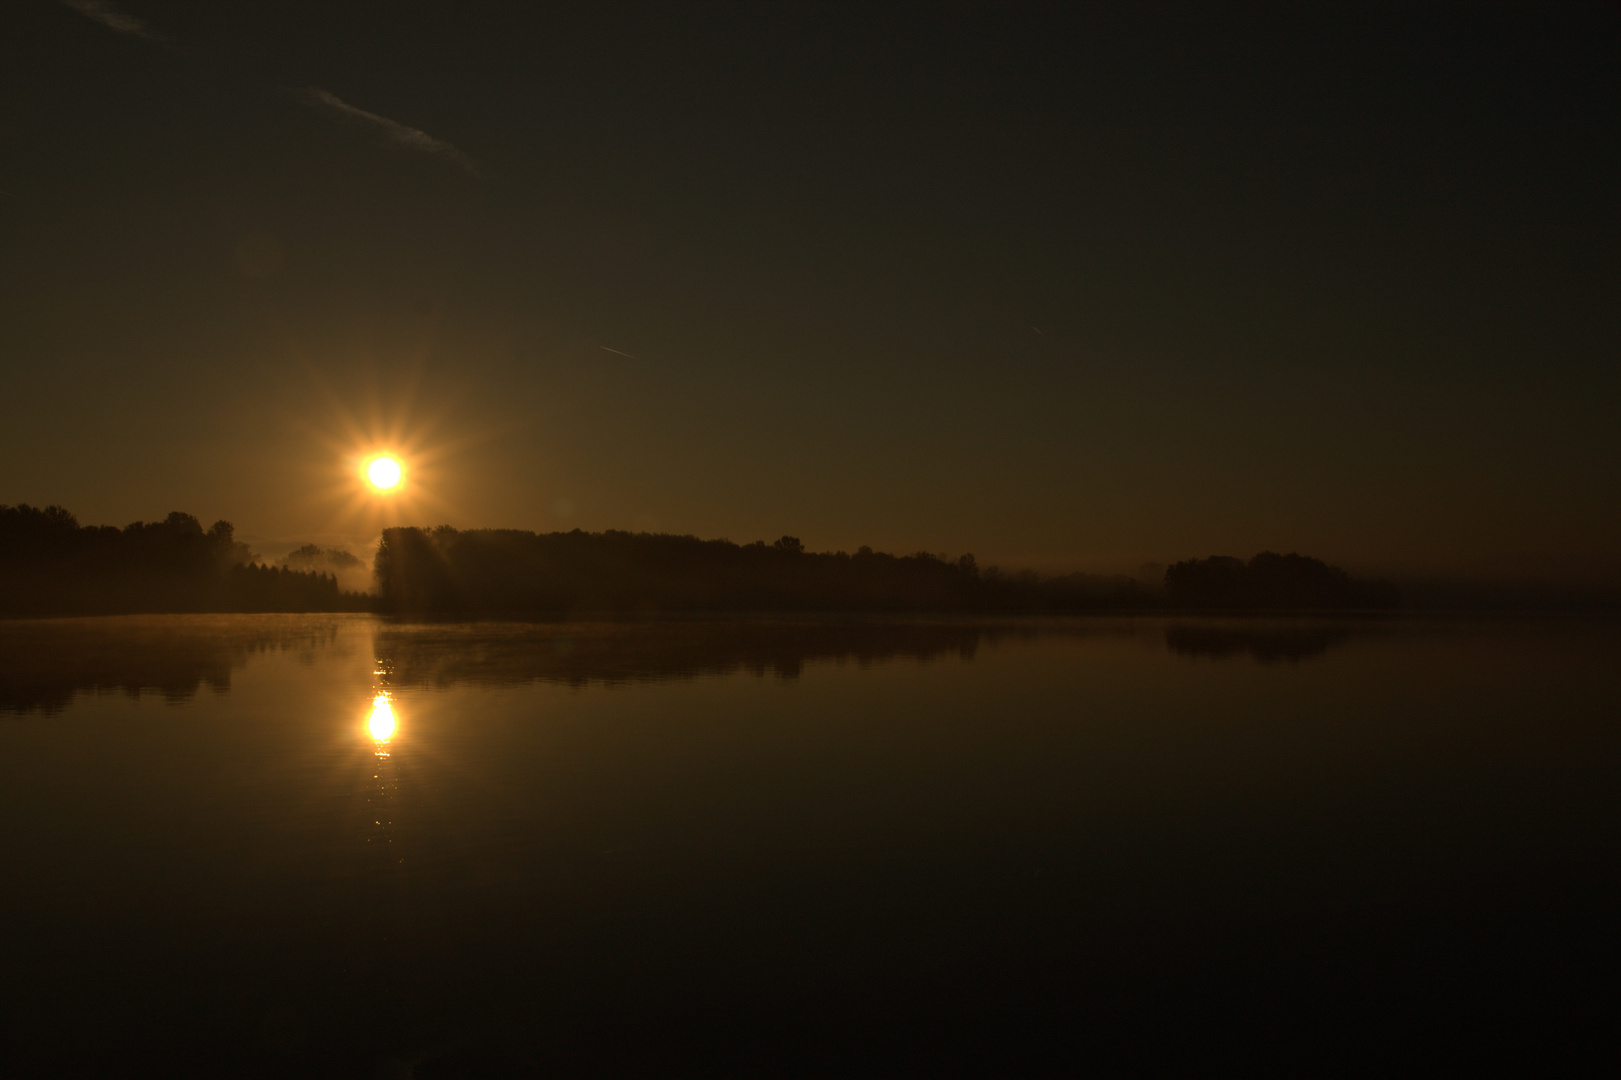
580	653
1267	644
44	664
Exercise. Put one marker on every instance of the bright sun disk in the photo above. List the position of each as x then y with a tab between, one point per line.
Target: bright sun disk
384	473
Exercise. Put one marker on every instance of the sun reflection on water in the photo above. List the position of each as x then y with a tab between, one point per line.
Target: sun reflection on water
381	724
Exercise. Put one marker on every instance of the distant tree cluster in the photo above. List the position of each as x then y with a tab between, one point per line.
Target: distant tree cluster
353	575
51	565
311	556
1271	581
446	570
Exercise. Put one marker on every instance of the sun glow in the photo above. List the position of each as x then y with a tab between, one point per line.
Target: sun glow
387	463
381	723
384	472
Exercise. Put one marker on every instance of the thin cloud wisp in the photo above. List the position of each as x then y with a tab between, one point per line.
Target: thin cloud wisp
397	133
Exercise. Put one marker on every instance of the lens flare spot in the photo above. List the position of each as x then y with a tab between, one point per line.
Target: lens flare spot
381	723
384	473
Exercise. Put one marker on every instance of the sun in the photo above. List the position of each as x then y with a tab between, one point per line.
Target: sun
384	469
384	473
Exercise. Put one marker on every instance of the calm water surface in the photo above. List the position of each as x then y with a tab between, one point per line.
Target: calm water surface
303	846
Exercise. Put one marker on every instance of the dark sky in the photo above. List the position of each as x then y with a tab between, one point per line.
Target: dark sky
1070	286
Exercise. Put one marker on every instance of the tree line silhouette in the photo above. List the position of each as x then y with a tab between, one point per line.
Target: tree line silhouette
448	571
52	565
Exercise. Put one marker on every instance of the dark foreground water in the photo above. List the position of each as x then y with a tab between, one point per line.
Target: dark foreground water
304	846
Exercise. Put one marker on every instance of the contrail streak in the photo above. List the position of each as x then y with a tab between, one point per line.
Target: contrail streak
395	132
624	354
107	14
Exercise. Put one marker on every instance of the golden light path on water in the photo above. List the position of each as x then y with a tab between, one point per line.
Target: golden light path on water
381	726
381	723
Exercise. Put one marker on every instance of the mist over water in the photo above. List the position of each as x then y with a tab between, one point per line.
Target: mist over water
343	845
